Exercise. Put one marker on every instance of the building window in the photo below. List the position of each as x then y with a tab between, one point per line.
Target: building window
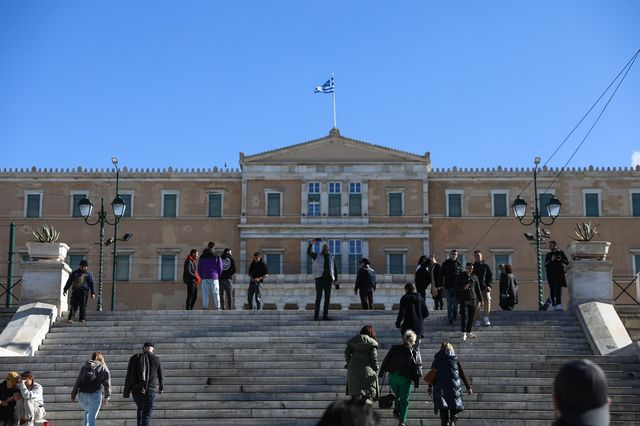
73	260
33	204
453	203
168	264
355	199
273	204
355	254
394	200
335	198
334	249
317	246
500	259
127	197
635	204
170	203
591	203
395	263
543	200
499	201
636	263
214	204
274	262
123	267
313	199
75	199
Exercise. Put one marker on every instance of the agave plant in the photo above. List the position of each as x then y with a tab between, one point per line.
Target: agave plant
46	234
585	231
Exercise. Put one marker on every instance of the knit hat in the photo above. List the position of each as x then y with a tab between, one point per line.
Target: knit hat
148	345
580	389
365	261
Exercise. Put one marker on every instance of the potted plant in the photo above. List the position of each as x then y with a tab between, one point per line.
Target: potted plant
583	246
46	247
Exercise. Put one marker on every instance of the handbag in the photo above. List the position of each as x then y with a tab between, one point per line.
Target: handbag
431	376
386	401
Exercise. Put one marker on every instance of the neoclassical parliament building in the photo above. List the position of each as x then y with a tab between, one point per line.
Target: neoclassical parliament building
363	199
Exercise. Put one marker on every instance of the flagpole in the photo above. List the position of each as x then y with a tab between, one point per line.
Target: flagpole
334	101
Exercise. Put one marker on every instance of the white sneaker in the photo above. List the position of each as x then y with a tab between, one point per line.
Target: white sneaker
477	323
486	321
558	307
464	336
471	335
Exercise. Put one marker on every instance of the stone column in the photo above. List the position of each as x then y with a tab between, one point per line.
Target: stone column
43	281
589	280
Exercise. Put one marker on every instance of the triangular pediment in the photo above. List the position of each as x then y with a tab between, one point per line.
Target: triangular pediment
333	148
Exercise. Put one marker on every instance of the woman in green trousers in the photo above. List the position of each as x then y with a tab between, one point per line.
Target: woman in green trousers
403	367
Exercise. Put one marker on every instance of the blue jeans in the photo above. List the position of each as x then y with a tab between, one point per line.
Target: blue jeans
90	403
144	402
452	311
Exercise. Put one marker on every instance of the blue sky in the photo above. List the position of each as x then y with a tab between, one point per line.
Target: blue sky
192	83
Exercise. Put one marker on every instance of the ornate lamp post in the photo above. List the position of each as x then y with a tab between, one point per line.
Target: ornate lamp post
519	207
114	160
86	208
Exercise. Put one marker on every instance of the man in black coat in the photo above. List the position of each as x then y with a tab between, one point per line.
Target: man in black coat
227	292
81	283
412	313
554	263
467	292
449	272
365	283
144	380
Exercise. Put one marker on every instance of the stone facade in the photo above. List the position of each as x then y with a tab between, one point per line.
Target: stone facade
368	200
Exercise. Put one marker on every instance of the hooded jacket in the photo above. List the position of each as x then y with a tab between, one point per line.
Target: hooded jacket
361	355
228	266
209	265
102	373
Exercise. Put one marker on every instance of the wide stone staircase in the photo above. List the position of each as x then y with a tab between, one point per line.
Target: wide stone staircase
283	368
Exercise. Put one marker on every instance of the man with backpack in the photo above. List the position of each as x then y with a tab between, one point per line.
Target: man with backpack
81	283
365	283
144	381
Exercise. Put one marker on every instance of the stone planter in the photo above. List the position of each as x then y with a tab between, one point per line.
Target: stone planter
47	251
596	250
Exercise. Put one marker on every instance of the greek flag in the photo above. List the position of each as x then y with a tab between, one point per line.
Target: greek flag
326	87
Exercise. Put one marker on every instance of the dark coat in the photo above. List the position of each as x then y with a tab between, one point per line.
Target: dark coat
447	390
6	411
403	360
467	289
554	263
361	356
228	266
144	372
422	277
449	273
412	313
190	272
508	291
365	280
482	270
80	281
257	269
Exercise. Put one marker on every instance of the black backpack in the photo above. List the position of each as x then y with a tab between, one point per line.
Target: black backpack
90	381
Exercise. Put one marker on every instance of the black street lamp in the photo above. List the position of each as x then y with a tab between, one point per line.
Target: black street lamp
114	160
519	207
86	208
